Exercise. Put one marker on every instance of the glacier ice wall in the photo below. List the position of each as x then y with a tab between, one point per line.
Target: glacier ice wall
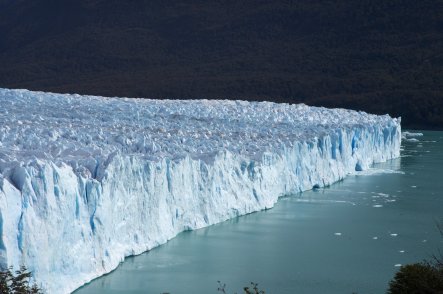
86	181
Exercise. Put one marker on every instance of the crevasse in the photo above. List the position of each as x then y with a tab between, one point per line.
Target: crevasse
87	181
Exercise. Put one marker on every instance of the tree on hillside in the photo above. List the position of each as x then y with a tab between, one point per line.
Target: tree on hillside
18	282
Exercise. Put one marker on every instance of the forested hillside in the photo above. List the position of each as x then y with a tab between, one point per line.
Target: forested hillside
379	56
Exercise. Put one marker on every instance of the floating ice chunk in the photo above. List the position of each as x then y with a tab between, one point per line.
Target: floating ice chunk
325	201
406	134
398	265
376	171
375	238
337	234
377	205
410	137
393	235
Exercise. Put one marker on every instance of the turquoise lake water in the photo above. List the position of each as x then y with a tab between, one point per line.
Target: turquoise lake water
350	237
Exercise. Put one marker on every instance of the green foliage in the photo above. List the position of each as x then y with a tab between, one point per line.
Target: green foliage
420	278
17	283
417	278
252	289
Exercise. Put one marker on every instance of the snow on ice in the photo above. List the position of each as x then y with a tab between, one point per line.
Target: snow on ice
86	181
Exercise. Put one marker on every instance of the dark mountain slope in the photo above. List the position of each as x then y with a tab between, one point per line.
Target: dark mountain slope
379	56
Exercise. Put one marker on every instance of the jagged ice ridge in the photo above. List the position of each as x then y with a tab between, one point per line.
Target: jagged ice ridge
86	181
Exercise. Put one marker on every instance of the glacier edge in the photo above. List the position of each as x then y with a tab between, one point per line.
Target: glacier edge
68	228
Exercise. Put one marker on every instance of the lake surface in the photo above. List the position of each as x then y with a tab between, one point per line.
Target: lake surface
350	237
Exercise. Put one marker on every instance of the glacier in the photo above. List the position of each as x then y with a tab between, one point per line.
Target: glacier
86	181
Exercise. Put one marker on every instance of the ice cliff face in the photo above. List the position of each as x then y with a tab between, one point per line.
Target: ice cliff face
86	181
